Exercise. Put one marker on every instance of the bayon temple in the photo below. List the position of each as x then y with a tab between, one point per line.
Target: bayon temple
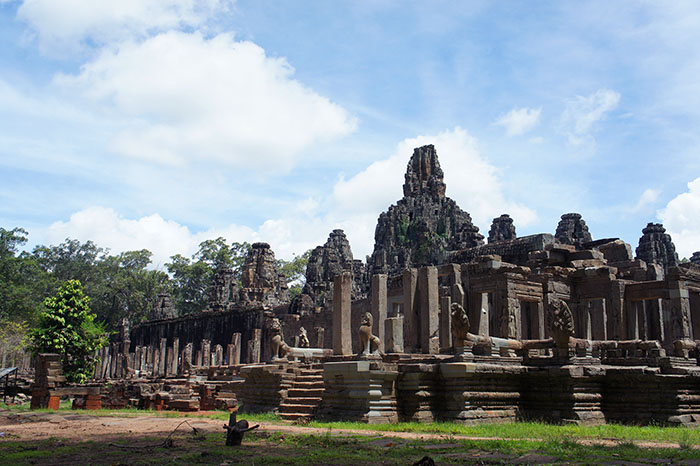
439	323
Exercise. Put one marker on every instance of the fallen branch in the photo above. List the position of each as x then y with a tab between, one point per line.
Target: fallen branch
167	443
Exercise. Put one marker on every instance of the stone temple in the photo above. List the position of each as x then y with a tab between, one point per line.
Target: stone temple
437	325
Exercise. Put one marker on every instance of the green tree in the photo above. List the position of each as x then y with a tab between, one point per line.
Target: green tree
192	278
67	327
22	281
124	287
295	272
13	342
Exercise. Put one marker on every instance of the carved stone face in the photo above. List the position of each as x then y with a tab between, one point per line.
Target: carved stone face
367	319
275	326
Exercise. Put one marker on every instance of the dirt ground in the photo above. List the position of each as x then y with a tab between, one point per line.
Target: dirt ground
66	438
80	427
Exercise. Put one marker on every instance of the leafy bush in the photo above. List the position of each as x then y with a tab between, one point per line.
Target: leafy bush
67	327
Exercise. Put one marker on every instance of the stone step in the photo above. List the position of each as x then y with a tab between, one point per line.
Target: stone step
305	392
297	408
303	400
308	385
309	378
295	416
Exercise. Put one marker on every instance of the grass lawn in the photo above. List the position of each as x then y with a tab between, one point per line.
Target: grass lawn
521	442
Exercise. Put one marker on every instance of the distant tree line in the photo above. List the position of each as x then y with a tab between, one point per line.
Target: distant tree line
118	286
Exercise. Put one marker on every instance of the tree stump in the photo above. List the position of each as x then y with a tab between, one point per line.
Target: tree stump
236	430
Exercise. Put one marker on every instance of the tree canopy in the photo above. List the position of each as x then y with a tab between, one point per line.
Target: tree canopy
118	285
67	327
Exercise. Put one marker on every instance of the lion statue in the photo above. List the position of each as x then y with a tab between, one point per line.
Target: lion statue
278	347
303	338
369	344
460	322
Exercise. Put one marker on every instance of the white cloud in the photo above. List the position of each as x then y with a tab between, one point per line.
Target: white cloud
292	234
64	24
519	120
354	206
680	217
184	97
582	113
648	197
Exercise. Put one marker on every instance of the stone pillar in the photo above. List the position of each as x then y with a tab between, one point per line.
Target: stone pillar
458	295
114	366
483	311
615	305
137	358
142	357
104	363
320	334
187	358
632	320
219	354
540	320
342	286
198	358
429	309
168	363
163	356
176	354
206	353
445	321
254	346
676	320
156	362
124	357
410	308
236	342
379	307
394	334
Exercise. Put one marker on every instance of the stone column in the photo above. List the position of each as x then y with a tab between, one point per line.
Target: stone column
458	295
156	362
219	354
124	357
632	321
104	363
116	361
176	353
255	346
163	356
142	357
236	342
429	309
410	308
445	321
615	305
187	358
137	358
676	320
320	334
342	286
483	314
379	307
394	334
168	363
206	353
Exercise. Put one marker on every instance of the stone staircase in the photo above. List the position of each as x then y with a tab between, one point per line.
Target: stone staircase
304	398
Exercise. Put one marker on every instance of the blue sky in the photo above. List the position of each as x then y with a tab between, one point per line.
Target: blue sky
158	124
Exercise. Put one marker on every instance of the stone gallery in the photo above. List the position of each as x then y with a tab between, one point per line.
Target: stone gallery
437	324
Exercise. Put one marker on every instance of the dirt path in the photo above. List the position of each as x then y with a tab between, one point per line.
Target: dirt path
82	427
